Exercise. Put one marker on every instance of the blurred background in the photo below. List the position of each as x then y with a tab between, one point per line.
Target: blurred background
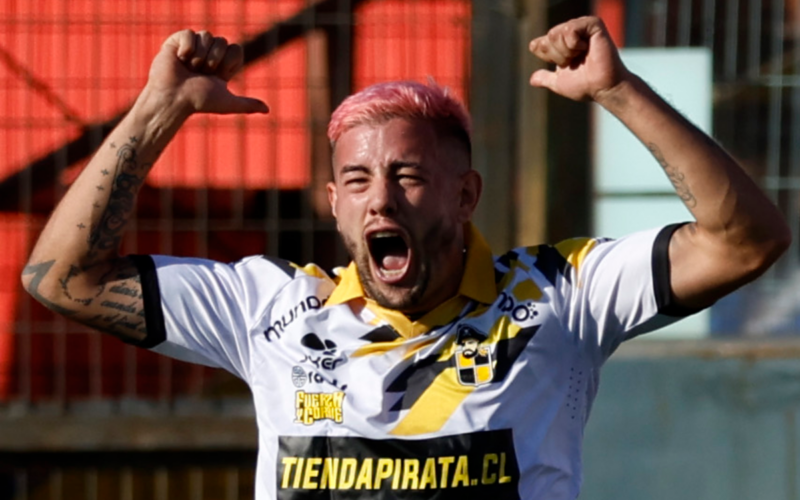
707	410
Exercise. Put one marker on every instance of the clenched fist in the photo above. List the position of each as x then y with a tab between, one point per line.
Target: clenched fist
587	62
192	71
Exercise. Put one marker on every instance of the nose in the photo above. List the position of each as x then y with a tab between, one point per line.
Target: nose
382	197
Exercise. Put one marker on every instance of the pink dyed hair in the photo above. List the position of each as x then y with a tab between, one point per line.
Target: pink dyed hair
402	99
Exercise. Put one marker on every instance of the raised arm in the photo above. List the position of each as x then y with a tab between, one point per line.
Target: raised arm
738	232
75	268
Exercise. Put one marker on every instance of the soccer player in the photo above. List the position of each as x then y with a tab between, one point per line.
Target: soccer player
428	367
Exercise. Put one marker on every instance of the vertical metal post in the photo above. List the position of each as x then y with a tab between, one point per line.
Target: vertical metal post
494	101
340	39
570	180
531	132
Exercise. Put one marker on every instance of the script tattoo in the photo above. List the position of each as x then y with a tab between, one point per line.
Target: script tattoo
676	177
123	301
128	177
39	271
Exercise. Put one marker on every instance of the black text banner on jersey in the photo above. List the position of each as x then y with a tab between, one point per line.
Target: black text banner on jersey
474	465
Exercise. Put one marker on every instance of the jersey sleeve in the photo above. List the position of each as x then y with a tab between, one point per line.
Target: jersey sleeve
610	291
201	311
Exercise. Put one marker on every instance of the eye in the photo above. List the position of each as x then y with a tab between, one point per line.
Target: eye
355	181
410	179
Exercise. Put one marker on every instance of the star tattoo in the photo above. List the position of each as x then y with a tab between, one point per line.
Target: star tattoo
105	172
81	226
100	188
133	139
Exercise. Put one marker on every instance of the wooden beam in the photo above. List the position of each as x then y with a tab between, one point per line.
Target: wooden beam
69	433
531	132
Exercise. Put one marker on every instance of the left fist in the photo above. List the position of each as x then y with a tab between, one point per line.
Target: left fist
587	61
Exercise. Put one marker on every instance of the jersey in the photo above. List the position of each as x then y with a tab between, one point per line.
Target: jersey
487	396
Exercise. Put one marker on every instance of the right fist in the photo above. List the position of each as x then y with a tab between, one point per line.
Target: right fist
192	71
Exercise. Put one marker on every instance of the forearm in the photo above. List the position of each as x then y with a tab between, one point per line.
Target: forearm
85	230
725	202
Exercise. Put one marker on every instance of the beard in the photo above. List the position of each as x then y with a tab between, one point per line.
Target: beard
404	299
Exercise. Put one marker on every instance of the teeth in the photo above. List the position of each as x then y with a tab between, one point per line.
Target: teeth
384	234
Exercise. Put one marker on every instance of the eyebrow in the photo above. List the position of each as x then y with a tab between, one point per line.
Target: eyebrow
397	165
393	166
353	168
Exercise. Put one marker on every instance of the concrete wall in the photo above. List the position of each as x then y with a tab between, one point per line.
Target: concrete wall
706	421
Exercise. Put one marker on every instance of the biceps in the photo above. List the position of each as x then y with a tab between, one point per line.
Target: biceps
701	270
109	298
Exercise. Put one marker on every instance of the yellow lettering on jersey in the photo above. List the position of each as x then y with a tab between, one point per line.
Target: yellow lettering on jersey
462	472
313	406
503	478
384	470
396	477
428	474
311	473
288	463
445	463
298	473
330	467
365	475
486	478
347	474
410	474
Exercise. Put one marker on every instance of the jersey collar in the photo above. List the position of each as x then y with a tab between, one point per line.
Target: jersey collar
477	282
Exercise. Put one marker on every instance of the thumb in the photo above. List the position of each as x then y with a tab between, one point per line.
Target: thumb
543	78
240	104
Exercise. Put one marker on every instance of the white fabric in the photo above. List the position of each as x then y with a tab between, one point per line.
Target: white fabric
219	314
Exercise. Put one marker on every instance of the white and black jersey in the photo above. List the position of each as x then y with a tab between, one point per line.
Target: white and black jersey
486	396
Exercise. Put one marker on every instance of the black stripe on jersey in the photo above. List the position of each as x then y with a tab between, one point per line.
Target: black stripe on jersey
283	265
151	297
507	258
415	380
662	282
383	333
551	263
508	350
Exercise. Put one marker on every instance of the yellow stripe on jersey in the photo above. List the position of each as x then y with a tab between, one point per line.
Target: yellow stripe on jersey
526	290
575	250
444	395
434	406
312	270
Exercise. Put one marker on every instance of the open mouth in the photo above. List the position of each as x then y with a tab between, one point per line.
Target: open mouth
391	255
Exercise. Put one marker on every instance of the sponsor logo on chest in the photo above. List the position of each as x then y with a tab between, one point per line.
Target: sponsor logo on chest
288	316
470	465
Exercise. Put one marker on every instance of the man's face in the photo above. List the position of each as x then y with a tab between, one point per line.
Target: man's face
401	195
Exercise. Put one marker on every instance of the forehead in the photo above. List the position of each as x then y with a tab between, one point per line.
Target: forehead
396	139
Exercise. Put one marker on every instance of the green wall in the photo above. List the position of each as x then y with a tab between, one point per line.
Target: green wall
695	427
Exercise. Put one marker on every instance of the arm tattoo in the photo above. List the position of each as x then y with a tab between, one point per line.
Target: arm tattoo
676	177
128	177
39	271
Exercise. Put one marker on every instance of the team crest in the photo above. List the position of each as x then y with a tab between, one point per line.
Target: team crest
474	362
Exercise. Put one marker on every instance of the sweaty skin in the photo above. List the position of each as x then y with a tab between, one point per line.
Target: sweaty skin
75	268
401	176
738	232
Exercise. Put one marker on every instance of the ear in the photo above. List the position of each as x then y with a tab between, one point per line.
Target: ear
471	188
331	188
